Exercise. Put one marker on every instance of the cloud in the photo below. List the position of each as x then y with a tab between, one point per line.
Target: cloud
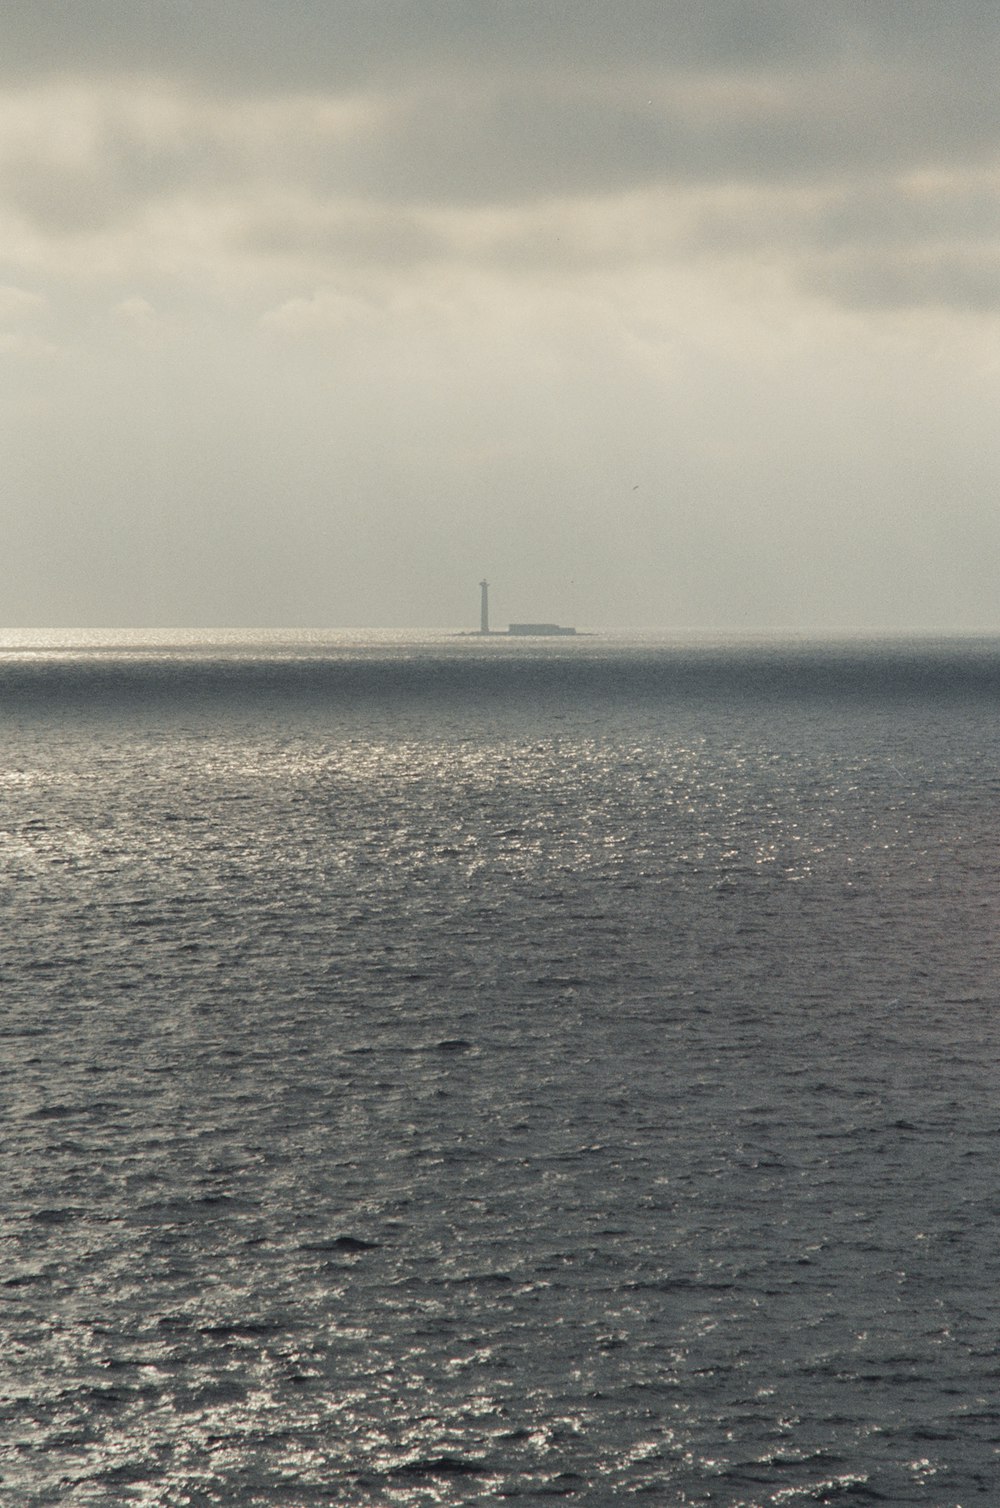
447	278
319	144
25	320
325	311
345	234
880	279
312	45
19	306
141	322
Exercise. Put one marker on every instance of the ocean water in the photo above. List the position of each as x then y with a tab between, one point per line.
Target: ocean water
447	1071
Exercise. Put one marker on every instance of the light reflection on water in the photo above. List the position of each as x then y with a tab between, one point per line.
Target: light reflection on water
434	1097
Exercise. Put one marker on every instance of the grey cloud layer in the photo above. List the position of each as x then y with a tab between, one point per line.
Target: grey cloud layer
310	304
874	123
314	43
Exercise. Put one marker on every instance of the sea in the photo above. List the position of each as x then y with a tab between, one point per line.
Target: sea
447	1070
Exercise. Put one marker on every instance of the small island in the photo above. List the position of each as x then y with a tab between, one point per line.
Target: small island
517	630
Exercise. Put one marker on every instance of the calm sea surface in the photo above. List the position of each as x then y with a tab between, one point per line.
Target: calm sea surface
447	1071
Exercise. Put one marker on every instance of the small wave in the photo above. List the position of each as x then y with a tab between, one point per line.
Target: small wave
242	1330
435	1466
489	1279
340	1243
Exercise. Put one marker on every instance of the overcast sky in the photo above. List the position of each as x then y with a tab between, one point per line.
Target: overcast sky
665	313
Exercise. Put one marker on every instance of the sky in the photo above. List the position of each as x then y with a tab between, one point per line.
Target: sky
659	314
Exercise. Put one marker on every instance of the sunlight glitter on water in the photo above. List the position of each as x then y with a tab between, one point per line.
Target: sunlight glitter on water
452	1116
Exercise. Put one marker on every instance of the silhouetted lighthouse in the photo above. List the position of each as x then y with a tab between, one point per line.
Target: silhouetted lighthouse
484	607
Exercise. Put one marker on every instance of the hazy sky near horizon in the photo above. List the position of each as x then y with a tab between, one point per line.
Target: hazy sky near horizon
680	315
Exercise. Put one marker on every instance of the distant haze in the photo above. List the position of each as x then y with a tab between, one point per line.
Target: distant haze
655	314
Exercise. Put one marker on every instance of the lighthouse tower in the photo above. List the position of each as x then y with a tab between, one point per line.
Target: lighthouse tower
484	607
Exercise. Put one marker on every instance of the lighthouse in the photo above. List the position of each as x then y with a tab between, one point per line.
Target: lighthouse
484	607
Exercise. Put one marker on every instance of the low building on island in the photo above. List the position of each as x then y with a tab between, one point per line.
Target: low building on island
539	628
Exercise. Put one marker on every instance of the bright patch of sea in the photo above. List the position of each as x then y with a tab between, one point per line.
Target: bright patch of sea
453	1071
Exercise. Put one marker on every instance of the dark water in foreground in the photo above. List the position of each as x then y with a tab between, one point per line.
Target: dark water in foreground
456	1072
